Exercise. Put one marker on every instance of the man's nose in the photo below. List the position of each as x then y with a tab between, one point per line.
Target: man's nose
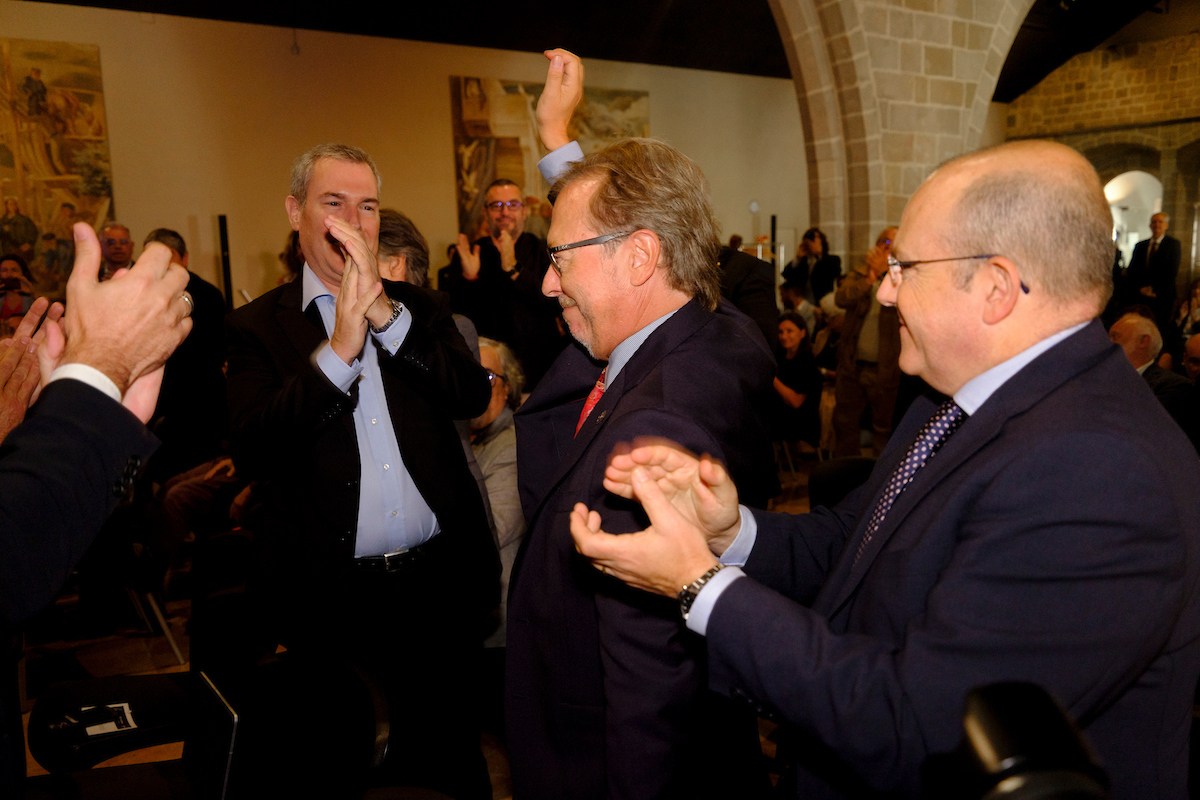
551	285
887	291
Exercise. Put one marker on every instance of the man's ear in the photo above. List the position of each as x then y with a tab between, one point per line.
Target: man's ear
644	249
293	211
1002	287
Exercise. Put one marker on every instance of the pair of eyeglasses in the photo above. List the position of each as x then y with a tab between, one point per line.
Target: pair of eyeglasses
554	251
511	205
111	242
896	267
494	376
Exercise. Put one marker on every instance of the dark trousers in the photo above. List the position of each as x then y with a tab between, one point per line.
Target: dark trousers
410	635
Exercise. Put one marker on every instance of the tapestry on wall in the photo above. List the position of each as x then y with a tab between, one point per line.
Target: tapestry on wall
54	161
495	136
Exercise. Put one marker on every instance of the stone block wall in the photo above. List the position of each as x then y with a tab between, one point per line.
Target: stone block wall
1136	84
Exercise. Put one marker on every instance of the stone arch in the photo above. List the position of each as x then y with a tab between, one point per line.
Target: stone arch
1111	160
847	57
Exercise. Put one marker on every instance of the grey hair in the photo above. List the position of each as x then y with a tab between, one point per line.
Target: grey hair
302	169
1026	216
1146	327
398	236
514	376
168	237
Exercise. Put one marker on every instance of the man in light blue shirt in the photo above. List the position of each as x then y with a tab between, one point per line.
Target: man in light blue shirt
343	390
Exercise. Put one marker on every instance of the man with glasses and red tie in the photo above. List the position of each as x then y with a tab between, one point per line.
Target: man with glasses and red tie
1035	517
497	282
605	693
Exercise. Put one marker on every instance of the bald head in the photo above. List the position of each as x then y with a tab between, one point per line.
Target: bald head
1041	205
1138	337
1191	356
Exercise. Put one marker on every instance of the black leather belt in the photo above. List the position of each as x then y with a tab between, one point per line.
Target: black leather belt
394	562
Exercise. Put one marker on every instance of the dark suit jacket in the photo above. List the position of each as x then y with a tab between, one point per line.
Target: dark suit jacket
605	689
62	472
823	278
1053	539
749	283
293	428
1159	273
1177	396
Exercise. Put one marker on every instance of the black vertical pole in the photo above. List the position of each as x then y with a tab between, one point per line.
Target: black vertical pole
225	272
773	250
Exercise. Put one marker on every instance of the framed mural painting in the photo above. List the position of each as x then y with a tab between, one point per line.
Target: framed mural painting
54	158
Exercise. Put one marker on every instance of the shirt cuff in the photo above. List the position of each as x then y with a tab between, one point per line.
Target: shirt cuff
556	162
89	375
339	373
706	600
738	553
391	337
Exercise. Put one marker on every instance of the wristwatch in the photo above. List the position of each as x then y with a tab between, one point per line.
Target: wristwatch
396	309
687	595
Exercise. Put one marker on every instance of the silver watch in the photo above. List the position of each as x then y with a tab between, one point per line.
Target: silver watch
687	595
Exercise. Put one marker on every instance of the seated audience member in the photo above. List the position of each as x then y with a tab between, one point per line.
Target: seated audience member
64	467
797	384
1187	319
192	417
1141	342
1191	357
814	269
735	242
497	282
494	440
404	256
18	233
17	283
1035	518
376	548
116	242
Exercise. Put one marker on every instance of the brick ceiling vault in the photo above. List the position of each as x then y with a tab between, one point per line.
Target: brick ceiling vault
888	89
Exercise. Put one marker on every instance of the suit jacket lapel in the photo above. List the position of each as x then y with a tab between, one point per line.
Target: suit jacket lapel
304	333
1029	386
559	406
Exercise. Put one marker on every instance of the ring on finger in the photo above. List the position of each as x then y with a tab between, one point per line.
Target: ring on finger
187	297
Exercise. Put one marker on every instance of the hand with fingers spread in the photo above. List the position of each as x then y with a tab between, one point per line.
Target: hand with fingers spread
19	374
662	559
468	256
562	93
127	326
699	488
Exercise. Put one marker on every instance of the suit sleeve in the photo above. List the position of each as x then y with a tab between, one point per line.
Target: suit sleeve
1062	573
651	662
434	358
62	471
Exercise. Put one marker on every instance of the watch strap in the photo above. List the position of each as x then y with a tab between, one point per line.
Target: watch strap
687	595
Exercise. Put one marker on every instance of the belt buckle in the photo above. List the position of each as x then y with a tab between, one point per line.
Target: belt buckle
393	561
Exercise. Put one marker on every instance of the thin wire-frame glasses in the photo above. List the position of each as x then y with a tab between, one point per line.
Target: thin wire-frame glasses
896	267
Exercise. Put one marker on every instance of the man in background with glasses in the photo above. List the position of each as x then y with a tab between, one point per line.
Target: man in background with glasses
116	244
497	282
1035	517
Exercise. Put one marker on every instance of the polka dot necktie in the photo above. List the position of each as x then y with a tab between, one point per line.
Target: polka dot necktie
929	440
593	397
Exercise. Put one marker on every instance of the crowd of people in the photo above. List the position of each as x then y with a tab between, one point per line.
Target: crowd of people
432	480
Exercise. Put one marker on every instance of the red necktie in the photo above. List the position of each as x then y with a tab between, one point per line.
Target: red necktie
593	397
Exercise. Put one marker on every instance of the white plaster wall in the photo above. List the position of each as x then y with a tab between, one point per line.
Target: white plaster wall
206	117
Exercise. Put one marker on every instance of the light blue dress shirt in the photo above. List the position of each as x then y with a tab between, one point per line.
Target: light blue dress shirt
973	394
392	515
556	161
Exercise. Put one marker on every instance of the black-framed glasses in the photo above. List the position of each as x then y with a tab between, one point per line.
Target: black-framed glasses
511	205
896	267
554	251
111	242
494	376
